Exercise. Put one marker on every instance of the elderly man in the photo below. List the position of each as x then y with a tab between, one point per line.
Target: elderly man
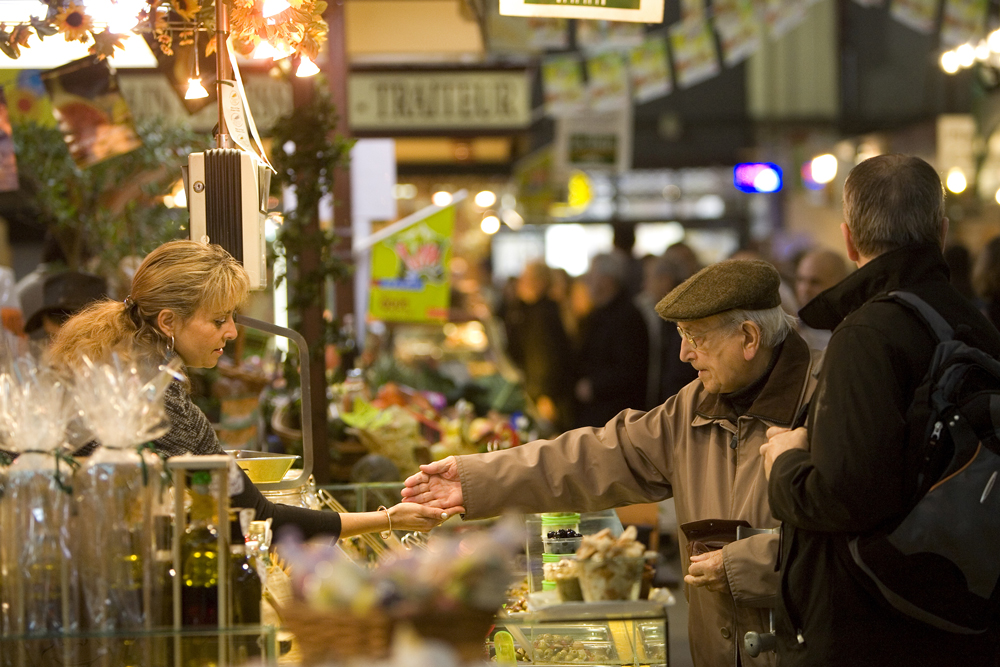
850	472
700	447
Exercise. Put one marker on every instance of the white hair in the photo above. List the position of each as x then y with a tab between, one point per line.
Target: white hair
774	323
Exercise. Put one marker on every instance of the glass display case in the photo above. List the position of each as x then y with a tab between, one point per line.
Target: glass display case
238	646
591	633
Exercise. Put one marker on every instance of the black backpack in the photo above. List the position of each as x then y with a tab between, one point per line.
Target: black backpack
941	563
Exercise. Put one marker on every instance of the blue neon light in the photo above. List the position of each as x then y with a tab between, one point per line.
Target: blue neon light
757	177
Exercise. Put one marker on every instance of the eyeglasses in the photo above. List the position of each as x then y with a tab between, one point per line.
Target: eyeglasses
693	339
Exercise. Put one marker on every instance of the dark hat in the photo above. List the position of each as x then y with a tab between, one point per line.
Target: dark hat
45	291
747	284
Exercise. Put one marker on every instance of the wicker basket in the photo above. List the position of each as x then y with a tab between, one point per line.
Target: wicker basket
326	635
465	630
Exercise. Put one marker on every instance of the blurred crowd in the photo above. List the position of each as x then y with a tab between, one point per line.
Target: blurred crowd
593	345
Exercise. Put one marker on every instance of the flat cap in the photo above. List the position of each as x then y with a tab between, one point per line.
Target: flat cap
747	284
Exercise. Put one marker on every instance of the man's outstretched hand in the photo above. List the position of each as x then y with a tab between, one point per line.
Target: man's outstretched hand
436	485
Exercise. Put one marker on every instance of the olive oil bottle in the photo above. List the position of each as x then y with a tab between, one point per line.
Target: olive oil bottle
200	558
200	575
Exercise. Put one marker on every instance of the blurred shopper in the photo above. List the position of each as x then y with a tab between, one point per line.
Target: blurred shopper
559	292
851	472
667	373
53	292
683	254
539	346
614	352
817	270
624	246
50	295
986	280
959	261
581	303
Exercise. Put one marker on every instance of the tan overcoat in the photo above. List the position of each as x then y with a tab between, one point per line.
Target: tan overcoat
692	448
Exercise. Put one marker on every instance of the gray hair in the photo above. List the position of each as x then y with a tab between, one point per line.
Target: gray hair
774	323
891	201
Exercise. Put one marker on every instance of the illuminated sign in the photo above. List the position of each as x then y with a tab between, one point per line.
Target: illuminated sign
757	177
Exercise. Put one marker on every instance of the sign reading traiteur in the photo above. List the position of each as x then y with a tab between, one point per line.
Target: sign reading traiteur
642	11
410	277
403	101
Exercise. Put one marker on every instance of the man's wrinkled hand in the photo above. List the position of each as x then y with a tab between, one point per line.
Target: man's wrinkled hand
436	485
779	441
708	570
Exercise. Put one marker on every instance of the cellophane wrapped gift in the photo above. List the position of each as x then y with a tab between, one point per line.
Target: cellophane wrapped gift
119	493
40	592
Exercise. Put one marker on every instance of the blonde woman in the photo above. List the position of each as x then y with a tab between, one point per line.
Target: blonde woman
181	302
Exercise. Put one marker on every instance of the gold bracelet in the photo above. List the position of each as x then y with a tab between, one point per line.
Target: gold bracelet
386	534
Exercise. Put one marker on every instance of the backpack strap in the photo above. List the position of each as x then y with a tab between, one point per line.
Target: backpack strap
938	325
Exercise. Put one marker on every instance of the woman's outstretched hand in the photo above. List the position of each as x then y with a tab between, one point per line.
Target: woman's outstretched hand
411	516
436	485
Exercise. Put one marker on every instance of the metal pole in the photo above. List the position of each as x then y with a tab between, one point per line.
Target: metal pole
222	74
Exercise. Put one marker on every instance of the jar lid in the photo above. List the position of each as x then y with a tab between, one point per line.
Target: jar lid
555	558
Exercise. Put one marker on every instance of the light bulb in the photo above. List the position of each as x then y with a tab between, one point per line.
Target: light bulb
306	68
982	51
265	50
195	90
824	168
485	199
490	224
274	7
966	55
956	181
441	198
993	40
949	62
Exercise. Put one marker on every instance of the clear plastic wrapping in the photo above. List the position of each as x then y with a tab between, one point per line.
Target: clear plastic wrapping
118	493
40	592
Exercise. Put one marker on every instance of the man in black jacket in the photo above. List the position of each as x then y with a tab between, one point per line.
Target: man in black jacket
613	358
537	343
849	471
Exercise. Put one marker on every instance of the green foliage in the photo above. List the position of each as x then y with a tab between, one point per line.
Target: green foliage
307	151
114	208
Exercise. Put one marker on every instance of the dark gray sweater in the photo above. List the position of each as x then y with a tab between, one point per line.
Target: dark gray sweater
192	433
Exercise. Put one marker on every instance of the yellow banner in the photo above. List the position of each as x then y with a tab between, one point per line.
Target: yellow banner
411	281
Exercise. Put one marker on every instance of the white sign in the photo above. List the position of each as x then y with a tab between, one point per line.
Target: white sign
642	11
956	135
416	101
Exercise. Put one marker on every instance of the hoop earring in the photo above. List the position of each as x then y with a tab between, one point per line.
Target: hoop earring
170	347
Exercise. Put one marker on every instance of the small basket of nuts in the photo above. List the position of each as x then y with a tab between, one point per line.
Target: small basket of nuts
610	568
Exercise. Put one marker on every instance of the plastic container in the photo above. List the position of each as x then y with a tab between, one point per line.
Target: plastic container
615	579
555	558
569	589
560	520
561	545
